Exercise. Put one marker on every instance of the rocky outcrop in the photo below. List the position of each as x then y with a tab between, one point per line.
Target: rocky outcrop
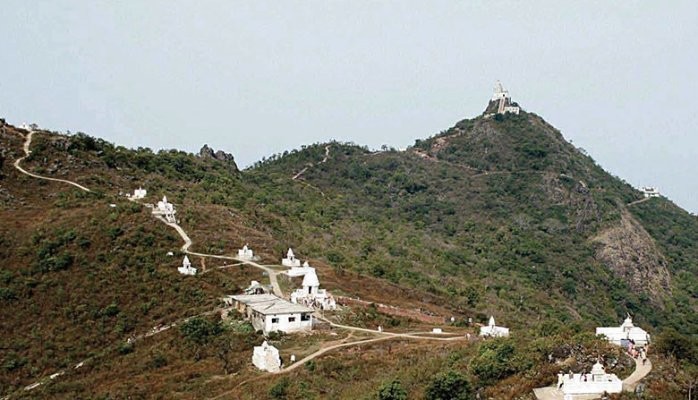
630	252
220	155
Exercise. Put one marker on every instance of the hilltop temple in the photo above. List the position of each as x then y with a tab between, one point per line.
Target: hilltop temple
300	271
245	253
492	330
138	194
186	268
625	334
501	102
290	260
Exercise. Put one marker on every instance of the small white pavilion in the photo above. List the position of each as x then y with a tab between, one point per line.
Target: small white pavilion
266	357
290	260
186	268
166	209
139	193
245	253
594	383
492	330
311	295
625	334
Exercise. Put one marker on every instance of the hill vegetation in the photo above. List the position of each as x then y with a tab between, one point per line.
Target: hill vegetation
494	216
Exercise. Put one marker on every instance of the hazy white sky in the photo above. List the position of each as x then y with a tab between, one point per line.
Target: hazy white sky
255	78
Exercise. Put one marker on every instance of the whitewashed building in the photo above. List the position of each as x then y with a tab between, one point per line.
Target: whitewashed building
290	260
311	295
650	191
625	334
492	330
594	383
257	288
245	253
165	209
504	103
139	193
186	268
269	313
266	357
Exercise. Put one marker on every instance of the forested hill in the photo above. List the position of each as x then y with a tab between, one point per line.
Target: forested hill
493	216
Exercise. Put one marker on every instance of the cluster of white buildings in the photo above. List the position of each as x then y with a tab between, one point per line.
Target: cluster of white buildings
650	191
165	209
625	335
311	295
503	99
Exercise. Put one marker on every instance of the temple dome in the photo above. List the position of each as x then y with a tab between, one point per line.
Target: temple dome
311	279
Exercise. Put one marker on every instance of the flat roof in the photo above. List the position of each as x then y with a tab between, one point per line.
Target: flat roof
270	304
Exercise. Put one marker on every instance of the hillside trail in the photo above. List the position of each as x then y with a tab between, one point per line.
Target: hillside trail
324	160
632	203
328	347
27	152
629	383
188	242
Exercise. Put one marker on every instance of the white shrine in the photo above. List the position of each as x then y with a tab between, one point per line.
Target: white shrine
299	271
186	268
266	357
139	193
492	330
257	288
245	253
290	260
503	100
625	334
311	295
595	383
167	209
650	191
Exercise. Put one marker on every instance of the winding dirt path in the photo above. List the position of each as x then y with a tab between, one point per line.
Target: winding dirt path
188	242
27	152
324	160
632	203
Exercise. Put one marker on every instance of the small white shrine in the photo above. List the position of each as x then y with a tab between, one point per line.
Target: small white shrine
625	334
266	357
650	191
501	96
256	288
166	209
139	193
492	330
290	260
594	383
311	295
245	253
186	268
299	271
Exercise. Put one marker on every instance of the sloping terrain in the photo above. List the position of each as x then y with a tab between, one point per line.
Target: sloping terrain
494	216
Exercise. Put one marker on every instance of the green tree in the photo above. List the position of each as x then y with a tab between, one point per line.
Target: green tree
200	330
392	391
450	385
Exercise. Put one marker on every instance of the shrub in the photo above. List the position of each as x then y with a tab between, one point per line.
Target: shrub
392	391
450	385
280	390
